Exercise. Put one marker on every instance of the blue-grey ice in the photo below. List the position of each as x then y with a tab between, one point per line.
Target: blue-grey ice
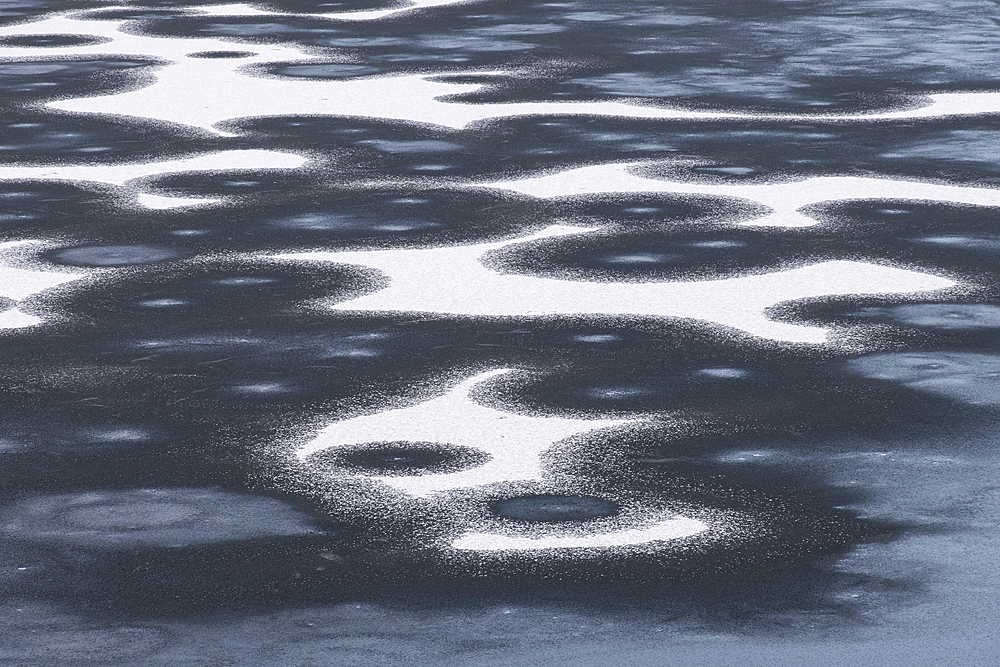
947	315
415	146
163	303
169	517
978	242
596	338
969	377
115	255
554	508
723	373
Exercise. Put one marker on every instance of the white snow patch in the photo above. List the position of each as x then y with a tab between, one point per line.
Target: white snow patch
202	92
668	529
159	202
453	280
119	174
15	319
513	441
17	283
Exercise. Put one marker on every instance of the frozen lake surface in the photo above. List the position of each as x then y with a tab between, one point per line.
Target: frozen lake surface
376	332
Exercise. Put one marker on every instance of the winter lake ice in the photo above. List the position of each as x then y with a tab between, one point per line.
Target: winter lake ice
378	332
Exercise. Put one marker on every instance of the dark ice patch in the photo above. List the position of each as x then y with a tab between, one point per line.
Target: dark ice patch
232	183
29	209
677	252
53	40
211	292
341	218
938	316
731	386
553	508
253	29
19	11
151	517
61	431
114	255
324	70
398	458
963	318
291	6
34	137
937	235
330	6
967	377
40	633
28	80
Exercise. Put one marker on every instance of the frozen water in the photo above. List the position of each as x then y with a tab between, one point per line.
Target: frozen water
553	508
724	373
513	442
114	255
947	315
453	280
665	530
398	159
175	517
969	377
976	243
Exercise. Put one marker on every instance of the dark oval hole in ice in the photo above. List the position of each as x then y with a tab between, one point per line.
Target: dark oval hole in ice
221	54
549	508
401	457
113	255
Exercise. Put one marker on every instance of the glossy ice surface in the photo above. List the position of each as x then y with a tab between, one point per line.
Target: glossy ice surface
375	332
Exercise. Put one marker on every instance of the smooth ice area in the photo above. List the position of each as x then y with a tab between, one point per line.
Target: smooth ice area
151	517
968	377
949	316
